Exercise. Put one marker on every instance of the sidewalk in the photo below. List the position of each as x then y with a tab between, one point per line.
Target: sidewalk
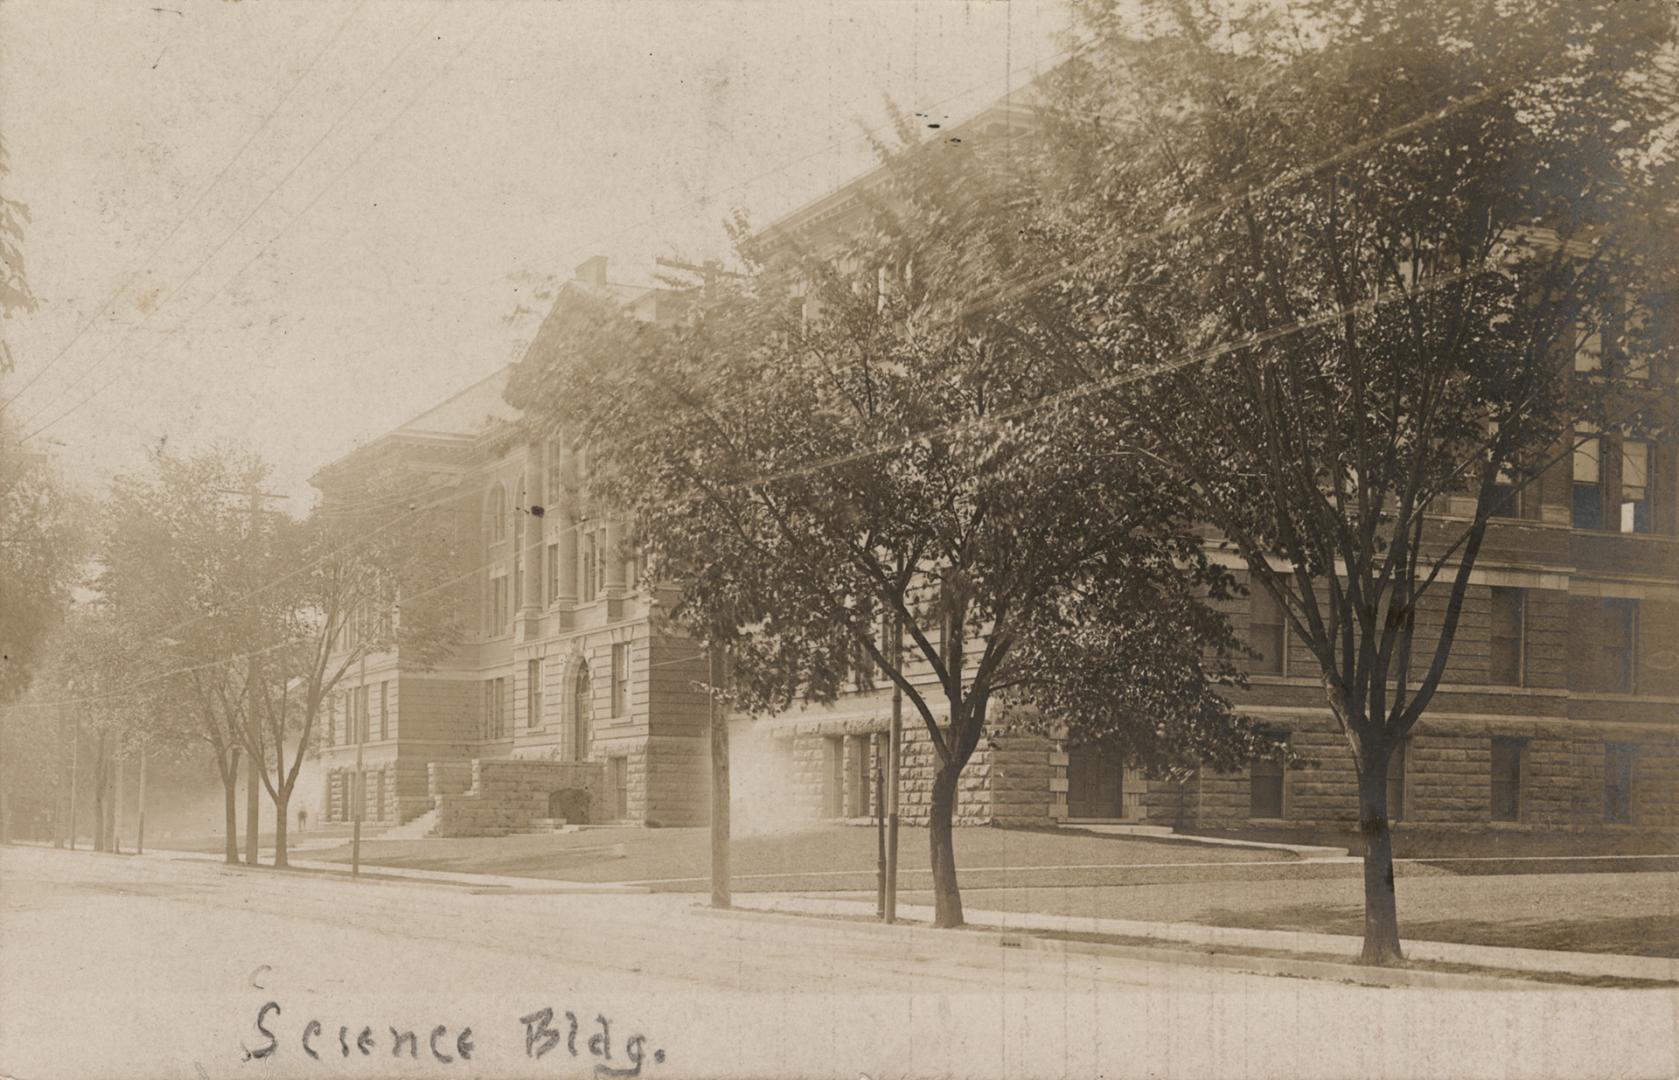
499	883
1335	946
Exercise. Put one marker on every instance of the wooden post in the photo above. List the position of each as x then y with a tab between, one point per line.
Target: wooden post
880	826
359	797
75	762
140	831
894	765
720	897
116	807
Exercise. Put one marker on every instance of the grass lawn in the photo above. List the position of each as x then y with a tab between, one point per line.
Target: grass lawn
824	857
1635	913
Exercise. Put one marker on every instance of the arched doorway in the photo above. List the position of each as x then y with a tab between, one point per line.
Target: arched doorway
582	710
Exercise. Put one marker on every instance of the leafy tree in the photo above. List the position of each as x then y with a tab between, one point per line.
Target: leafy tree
808	479
371	572
179	562
1332	255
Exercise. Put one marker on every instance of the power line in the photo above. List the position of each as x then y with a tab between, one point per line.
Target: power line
196	203
368	89
1071	393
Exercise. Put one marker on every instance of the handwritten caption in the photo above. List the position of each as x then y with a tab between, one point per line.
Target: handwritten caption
543	1035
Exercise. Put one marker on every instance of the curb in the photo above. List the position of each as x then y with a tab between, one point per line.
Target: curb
1164	952
373	874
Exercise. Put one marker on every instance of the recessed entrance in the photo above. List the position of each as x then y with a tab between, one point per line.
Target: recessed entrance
1099	786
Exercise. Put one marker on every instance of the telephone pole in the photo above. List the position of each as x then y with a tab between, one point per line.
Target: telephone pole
254	762
720	896
894	762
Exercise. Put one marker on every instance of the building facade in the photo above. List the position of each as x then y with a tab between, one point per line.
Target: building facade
563	701
1559	708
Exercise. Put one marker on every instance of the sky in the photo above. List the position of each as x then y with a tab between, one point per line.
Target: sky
288	227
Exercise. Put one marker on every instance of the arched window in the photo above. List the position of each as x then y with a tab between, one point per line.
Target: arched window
582	710
495	509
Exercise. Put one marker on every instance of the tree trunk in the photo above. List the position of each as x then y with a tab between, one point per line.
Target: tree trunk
101	777
230	805
282	800
947	901
1381	910
253	804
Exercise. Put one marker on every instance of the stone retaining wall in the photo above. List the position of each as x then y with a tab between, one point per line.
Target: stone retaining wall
510	795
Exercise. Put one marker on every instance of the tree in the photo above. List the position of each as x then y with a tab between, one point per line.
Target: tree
1332	256
40	554
181	567
806	480
363	576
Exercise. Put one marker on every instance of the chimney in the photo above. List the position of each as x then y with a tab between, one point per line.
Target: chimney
592	271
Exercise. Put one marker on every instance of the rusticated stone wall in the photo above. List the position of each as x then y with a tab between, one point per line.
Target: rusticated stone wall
508	795
1447	777
1008	781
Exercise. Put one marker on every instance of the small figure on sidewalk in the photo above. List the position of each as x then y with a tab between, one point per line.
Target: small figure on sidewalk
302	819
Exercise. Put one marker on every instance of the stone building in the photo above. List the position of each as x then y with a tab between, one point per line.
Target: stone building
562	702
1559	709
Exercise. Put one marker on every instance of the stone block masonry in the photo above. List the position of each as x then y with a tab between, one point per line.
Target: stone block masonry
509	795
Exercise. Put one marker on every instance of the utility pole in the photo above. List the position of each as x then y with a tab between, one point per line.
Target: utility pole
58	778
140	832
75	761
894	763
253	760
720	897
116	806
360	797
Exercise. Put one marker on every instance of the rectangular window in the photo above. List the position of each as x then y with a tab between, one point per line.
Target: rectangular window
1588	481
379	795
1396	781
495	707
553	572
1588	348
385	709
833	791
1267	633
331	719
1507	779
620	788
1618	641
363	717
1618	759
1635	486
1506	637
533	693
1635	343
588	586
1265	788
620	679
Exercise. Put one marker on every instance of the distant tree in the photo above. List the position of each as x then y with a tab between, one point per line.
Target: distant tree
1336	259
179	564
15	294
830	445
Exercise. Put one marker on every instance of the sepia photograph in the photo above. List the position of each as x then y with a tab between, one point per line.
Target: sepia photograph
857	539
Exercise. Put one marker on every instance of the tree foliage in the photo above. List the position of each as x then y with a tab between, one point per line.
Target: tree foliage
829	448
1336	257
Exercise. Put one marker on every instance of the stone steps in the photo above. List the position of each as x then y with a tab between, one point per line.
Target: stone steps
415	829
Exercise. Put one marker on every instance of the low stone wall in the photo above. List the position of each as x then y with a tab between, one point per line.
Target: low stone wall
509	795
449	778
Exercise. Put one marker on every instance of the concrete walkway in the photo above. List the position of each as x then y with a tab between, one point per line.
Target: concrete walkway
1577	964
497	882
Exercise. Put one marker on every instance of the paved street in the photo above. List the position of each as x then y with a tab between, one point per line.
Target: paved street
154	966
